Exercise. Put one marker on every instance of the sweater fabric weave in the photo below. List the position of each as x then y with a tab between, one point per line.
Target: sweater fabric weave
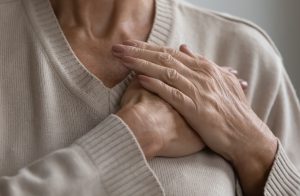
58	132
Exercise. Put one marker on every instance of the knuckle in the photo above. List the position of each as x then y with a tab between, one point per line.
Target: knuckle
171	75
232	79
235	80
226	73
210	68
164	50
134	51
165	58
232	76
172	52
144	63
200	57
178	96
203	62
192	90
139	44
162	84
131	50
198	61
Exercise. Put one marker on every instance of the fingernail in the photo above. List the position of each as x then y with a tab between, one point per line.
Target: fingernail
235	72
244	83
187	50
130	43
118	50
185	46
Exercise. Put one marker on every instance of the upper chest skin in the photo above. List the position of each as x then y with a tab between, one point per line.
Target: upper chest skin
95	55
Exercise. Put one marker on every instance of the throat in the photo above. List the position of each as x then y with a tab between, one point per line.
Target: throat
92	40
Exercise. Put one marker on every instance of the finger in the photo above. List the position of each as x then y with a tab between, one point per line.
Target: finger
231	70
180	56
173	96
163	59
184	48
168	75
198	59
244	84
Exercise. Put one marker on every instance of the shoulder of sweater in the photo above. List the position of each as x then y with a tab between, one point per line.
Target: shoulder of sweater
244	31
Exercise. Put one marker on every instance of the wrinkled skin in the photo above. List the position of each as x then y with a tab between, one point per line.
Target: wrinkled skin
213	103
160	130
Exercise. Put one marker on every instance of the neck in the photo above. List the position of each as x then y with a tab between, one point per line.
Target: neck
104	18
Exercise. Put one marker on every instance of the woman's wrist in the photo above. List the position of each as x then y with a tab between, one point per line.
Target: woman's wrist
254	162
134	117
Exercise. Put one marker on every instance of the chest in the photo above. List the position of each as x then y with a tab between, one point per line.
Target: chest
96	57
204	173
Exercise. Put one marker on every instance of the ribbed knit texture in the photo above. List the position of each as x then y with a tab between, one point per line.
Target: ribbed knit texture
58	134
115	152
81	81
284	178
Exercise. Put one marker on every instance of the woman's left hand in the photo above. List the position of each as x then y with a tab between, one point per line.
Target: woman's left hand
211	100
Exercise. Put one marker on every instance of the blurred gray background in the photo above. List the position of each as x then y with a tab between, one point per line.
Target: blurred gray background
279	18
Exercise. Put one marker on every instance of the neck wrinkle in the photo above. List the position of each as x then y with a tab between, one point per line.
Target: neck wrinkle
100	18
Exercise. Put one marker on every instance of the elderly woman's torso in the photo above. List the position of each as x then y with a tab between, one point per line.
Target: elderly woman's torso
179	176
51	116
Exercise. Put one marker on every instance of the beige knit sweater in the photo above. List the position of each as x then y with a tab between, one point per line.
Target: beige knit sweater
58	135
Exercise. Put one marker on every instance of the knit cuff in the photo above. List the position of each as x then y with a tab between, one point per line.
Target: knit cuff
284	179
120	161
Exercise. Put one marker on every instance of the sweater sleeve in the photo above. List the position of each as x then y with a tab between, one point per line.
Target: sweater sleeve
284	177
283	120
273	98
107	161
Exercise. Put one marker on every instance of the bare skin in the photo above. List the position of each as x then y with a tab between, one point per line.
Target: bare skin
92	28
164	134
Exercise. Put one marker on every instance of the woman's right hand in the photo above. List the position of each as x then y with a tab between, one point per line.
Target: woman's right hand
212	101
159	129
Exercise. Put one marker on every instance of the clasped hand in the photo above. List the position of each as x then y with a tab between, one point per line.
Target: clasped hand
211	101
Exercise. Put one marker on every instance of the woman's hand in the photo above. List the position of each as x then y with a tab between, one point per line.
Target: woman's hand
159	129
211	100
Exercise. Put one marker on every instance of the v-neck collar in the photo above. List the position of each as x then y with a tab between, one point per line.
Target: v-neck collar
77	78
